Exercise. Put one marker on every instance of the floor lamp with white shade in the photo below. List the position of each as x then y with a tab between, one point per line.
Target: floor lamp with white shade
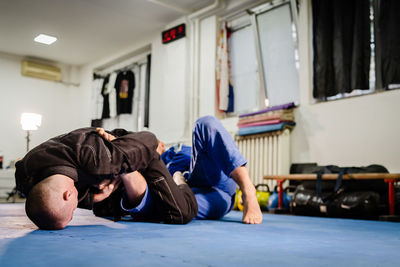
30	122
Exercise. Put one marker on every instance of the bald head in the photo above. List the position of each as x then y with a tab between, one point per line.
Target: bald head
51	203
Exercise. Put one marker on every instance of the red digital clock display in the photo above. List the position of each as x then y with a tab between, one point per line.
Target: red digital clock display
173	34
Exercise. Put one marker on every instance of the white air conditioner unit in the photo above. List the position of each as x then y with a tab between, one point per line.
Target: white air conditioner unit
41	71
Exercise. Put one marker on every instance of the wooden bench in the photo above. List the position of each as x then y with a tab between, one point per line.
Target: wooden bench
389	178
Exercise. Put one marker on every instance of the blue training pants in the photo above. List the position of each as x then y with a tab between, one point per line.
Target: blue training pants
214	156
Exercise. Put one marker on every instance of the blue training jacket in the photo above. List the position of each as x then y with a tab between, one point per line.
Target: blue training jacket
177	160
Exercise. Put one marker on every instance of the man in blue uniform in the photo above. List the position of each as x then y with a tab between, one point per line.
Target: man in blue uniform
212	167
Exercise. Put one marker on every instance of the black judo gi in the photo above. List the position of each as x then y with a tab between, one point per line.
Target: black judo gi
88	159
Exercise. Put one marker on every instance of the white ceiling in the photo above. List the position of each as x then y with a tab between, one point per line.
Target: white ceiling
87	30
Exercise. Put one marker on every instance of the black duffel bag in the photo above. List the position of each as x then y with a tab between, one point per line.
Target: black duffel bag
350	198
357	204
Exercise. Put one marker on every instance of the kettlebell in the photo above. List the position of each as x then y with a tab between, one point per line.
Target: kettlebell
235	205
263	196
239	200
273	200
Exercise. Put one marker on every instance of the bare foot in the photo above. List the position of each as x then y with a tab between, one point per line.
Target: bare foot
251	210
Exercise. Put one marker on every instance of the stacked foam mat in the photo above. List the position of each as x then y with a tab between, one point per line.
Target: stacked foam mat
271	119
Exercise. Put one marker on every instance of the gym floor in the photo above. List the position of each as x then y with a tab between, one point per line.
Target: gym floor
281	240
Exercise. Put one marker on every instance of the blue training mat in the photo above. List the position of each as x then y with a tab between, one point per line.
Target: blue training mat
281	240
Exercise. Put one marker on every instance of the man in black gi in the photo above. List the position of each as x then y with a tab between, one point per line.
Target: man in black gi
83	169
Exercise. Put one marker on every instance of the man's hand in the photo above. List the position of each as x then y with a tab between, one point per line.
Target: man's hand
106	188
105	135
160	148
178	178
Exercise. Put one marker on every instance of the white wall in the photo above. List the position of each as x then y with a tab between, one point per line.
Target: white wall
63	107
208	50
168	82
173	104
168	88
355	131
352	132
349	132
209	29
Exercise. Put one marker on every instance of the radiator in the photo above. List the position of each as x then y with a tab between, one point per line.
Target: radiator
267	153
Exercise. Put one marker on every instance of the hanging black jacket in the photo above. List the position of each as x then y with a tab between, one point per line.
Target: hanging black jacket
106	99
124	86
88	159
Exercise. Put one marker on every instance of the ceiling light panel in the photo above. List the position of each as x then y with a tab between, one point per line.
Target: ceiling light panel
45	39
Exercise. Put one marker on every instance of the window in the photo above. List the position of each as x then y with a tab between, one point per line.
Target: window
244	70
264	57
277	38
355	47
